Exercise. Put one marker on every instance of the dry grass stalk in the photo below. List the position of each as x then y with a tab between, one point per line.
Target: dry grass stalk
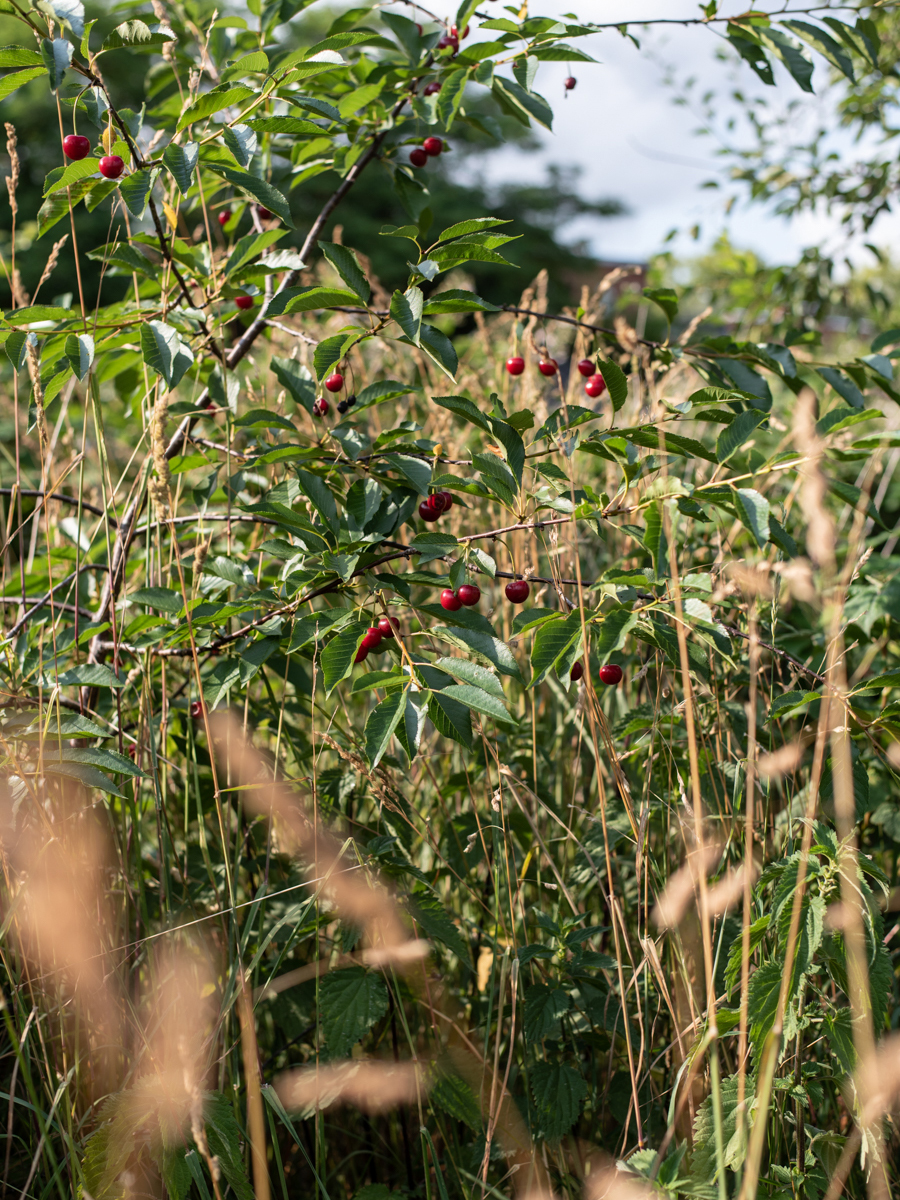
729	889
878	1080
34	370
679	893
12	179
783	761
604	1181
51	263
371	1086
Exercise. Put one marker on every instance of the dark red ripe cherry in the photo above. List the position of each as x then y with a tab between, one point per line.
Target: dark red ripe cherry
111	166
447	498
387	627
468	594
450	600
595	386
548	366
448	40
432	146
244	301
320	406
372	638
335	382
427	512
263	213
224	218
611	674
432	89
437	502
454	32
577	671
517	591
418	157
196	709
586	368
515	365
75	146
570	83
362	653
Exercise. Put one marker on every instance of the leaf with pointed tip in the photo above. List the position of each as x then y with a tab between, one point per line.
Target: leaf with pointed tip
734	435
406	310
268	196
383	721
138	35
347	266
616	382
80	353
753	510
339	655
57	56
135	188
181	162
164	351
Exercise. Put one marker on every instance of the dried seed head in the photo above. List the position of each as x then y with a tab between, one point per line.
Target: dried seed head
51	262
371	1086
159	484
12	179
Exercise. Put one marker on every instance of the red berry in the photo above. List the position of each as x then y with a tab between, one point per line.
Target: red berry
335	382
75	146
437	502
447	41
372	638
595	386
611	674
432	89
387	627
362	653
447	498
577	671
320	406
468	594
450	600
433	146
244	301
455	33
224	218
418	157
263	213
517	591
111	166
515	365
586	368
548	366
132	751
570	83
427	512
196	709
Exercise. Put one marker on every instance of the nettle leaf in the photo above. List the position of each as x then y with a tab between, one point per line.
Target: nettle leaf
544	1007
57	56
559	1093
164	352
383	721
437	924
347	266
181	162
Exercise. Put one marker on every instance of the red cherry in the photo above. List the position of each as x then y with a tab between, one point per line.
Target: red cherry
75	146
570	83
111	166
515	365
224	218
448	499
372	638
197	709
320	406
611	674
595	386
244	301
517	591
433	146
432	89
447	41
548	366
362	653
335	382
427	513
132	752
586	368
450	600
263	213
468	594
437	502
418	157
577	671
387	627
454	32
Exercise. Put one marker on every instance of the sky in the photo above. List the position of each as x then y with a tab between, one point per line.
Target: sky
621	127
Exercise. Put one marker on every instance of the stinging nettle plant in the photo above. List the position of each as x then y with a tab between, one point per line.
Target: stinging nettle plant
612	865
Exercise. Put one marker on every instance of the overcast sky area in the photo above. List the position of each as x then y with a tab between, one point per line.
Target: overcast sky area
621	127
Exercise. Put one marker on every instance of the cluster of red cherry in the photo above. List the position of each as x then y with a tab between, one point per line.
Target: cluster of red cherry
77	147
435	505
375	635
610	674
430	148
595	386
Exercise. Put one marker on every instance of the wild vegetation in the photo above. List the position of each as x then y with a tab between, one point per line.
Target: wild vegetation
450	740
